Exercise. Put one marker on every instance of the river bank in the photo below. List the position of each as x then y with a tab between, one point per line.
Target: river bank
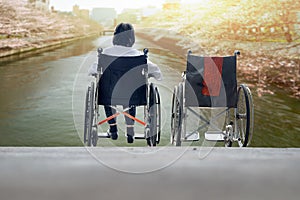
262	65
24	28
46	45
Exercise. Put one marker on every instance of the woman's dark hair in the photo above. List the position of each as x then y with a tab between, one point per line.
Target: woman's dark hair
124	35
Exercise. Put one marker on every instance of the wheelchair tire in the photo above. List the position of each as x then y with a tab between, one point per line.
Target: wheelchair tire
91	114
152	134
176	115
158	115
244	116
86	115
180	114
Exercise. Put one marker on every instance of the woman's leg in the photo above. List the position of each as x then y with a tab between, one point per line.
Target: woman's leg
112	123
130	124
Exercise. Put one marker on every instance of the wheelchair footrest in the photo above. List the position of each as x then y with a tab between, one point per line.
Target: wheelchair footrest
214	135
136	135
194	136
139	136
103	135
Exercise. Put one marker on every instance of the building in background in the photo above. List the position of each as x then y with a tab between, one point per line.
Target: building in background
105	16
40	4
82	13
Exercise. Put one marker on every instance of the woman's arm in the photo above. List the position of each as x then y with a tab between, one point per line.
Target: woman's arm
154	71
93	69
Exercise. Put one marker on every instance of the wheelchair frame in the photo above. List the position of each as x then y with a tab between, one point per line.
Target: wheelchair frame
152	112
238	125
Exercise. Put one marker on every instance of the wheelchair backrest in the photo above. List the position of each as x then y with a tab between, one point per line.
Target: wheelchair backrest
211	81
122	80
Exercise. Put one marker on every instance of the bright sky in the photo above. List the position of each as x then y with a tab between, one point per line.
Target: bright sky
119	5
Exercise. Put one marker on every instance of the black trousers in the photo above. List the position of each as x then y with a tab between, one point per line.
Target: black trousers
110	111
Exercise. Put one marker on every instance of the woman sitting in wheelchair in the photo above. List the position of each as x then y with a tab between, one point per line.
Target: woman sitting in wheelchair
123	41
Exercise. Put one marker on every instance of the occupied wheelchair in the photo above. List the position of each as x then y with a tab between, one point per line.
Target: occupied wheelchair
209	83
122	81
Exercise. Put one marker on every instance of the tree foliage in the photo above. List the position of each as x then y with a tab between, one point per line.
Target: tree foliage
248	20
266	31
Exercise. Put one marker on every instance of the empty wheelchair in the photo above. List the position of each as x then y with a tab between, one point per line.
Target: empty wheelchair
209	83
122	81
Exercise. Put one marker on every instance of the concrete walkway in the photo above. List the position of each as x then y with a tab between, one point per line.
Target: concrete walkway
135	173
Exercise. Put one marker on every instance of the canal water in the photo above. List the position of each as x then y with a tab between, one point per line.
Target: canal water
42	98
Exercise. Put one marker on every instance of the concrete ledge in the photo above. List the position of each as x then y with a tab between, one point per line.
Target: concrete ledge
149	173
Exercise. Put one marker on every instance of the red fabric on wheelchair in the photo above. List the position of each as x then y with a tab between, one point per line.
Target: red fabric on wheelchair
212	79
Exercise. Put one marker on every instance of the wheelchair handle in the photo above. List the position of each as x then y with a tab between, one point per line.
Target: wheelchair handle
146	51
237	53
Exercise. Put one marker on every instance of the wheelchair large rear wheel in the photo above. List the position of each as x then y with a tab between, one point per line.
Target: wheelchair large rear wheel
177	115
244	116
91	131
153	134
158	115
86	115
174	116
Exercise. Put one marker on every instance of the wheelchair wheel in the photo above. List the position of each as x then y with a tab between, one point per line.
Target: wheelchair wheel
86	115
244	116
91	132
176	115
153	132
158	115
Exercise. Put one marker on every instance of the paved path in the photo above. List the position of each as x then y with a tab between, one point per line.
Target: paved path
149	173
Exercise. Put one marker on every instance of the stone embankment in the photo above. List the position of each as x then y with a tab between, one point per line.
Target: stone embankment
24	28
